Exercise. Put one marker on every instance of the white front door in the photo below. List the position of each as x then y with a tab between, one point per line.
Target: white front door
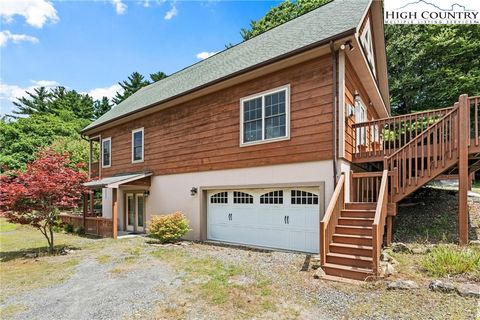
135	212
284	218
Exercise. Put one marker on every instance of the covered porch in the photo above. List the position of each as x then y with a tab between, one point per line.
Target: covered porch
115	215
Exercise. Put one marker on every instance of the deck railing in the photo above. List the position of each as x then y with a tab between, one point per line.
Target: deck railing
330	219
384	137
474	120
96	226
365	186
379	222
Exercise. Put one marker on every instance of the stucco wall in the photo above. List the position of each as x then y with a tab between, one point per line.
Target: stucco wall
169	193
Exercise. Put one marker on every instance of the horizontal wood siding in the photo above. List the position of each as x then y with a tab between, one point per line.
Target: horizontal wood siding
352	83
204	134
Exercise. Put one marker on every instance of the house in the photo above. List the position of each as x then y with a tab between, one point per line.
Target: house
283	141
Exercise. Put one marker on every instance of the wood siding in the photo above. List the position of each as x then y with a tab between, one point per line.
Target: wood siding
204	134
352	83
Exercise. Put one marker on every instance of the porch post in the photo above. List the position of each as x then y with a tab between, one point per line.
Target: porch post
91	201
463	177
90	159
389	230
85	205
114	212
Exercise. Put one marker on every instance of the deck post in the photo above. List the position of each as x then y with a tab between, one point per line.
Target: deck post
463	177
389	230
114	212
92	194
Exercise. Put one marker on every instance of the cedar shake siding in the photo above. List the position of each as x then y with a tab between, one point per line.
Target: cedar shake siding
204	134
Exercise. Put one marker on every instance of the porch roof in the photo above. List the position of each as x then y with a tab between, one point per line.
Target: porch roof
116	181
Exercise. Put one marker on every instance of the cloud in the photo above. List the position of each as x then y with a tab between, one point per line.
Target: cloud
6	36
120	7
35	12
10	93
109	92
205	54
171	13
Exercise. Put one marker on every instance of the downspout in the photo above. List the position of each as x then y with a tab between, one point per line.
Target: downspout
335	108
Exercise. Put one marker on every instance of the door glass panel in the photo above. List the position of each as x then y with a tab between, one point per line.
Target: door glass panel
131	210
140	211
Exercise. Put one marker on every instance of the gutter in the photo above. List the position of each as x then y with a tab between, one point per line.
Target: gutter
335	108
232	75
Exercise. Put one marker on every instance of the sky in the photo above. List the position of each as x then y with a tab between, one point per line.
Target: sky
91	45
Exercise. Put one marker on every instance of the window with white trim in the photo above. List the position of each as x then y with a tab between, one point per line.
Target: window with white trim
106	152
367	43
303	197
242	197
265	116
137	145
273	197
221	197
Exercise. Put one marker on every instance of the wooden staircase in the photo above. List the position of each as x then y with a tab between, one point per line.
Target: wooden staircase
352	233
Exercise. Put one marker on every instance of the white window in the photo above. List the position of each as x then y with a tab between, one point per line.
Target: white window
303	197
137	145
265	117
273	197
242	197
367	43
360	114
221	197
106	152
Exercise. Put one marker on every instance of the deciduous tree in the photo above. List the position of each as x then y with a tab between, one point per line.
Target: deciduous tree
36	196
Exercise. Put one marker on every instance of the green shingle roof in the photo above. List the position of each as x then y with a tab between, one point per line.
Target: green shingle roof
334	18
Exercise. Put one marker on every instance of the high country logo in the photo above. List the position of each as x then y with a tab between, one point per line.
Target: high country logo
432	12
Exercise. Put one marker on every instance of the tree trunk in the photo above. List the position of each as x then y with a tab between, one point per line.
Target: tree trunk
51	248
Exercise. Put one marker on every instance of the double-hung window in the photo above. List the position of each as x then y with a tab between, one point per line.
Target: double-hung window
265	116
106	152
137	145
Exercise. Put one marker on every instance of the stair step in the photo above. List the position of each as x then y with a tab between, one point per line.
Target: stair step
350	260
338	270
355	221
352	239
357	230
353	213
351	249
360	205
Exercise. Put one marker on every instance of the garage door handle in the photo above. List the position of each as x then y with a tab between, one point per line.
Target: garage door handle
288	219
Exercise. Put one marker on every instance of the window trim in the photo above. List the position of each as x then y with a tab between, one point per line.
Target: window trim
109	152
262	95
368	45
143	145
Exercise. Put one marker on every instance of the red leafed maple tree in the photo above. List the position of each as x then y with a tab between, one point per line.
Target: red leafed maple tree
36	196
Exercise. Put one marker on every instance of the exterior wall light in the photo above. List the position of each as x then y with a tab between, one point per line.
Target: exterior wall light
356	97
146	193
193	191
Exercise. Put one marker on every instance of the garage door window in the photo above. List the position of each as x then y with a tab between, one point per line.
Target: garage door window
242	197
274	197
221	197
303	197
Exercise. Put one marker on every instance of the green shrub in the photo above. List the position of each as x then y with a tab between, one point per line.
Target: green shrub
168	228
80	230
447	260
68	228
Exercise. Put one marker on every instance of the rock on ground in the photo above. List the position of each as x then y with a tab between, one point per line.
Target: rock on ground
400	247
441	286
469	290
402	285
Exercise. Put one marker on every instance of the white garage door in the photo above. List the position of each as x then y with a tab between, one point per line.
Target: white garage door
284	218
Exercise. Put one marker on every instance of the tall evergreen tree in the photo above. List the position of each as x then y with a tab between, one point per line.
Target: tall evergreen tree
157	76
100	107
134	83
34	102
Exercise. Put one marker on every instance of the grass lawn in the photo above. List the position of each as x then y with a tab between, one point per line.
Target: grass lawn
207	281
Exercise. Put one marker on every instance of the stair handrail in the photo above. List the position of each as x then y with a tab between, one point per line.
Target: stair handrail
387	162
379	222
330	219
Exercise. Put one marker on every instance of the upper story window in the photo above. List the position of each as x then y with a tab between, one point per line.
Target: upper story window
265	117
367	43
137	145
106	152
